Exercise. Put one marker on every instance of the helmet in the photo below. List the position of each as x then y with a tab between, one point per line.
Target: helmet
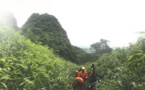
83	68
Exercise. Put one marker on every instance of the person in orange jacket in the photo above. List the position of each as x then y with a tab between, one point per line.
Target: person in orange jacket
83	74
78	83
77	73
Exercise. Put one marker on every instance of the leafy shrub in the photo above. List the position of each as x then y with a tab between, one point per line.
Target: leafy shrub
26	65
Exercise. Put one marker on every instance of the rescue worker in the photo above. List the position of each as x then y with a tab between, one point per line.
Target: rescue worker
92	74
92	78
78	83
84	75
77	73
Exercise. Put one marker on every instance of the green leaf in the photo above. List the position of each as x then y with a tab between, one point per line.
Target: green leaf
22	83
134	84
7	77
4	84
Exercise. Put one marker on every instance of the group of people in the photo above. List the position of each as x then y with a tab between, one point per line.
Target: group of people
81	77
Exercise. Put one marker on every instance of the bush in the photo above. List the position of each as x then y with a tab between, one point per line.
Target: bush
26	65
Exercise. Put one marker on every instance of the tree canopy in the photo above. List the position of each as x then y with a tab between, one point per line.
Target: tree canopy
101	47
45	28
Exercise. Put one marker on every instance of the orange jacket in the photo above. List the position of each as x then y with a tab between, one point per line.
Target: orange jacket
84	75
81	81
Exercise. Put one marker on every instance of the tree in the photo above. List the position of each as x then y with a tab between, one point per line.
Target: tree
101	47
46	28
82	55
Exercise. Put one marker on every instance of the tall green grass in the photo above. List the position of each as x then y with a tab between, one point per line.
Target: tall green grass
30	66
123	69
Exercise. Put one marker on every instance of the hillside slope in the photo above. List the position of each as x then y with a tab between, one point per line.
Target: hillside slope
45	28
30	66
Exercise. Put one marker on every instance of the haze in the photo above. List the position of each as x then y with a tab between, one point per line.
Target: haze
87	21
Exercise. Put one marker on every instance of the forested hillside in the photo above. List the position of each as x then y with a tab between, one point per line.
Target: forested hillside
25	65
31	58
45	28
30	66
123	68
82	56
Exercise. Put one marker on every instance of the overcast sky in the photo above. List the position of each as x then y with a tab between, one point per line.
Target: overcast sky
86	21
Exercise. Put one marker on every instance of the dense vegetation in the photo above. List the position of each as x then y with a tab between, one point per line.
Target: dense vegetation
83	56
123	68
34	61
45	28
30	66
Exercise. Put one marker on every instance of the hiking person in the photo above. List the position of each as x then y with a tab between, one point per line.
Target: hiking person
92	77
92	74
78	83
77	73
84	75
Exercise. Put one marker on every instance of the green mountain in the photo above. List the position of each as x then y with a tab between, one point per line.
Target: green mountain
25	65
45	28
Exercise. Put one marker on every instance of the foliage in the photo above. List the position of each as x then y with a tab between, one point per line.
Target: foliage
123	68
82	56
109	68
101	47
29	66
32	66
45	28
136	63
